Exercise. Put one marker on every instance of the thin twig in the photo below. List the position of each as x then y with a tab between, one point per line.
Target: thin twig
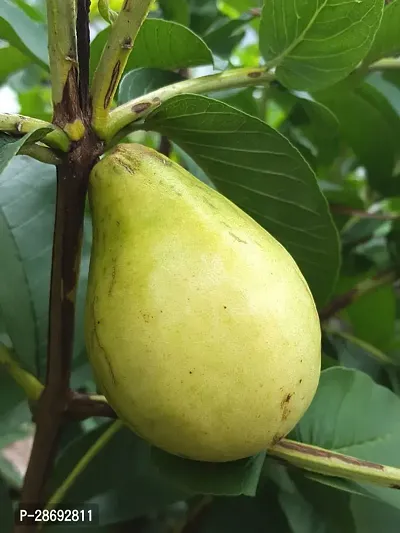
364	287
345	210
18	125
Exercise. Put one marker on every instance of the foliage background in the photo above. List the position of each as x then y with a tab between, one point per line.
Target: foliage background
346	128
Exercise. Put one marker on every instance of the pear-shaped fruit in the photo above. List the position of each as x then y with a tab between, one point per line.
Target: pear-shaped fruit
201	329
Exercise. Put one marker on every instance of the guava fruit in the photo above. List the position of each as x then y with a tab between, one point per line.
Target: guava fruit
202	331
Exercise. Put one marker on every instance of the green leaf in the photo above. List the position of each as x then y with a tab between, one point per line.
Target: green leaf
223	36
371	516
387	38
10	146
27	35
240	514
142	81
11	60
316	44
310	507
6	510
129	485
26	217
351	414
203	13
160	44
373	317
259	170
27	197
371	127
222	479
176	10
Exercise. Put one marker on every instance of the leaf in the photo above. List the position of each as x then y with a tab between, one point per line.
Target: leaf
316	44
27	35
223	479
360	355
225	34
15	415
371	127
259	170
11	60
159	44
373	317
27	198
240	514
371	516
10	146
203	13
142	81
6	510
352	415
176	10
387	38
133	487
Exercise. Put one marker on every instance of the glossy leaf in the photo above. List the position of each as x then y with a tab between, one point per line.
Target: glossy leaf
223	479
371	126
176	10
11	60
142	81
10	146
27	199
316	44
27	35
351	414
159	44
262	173
132	487
387	38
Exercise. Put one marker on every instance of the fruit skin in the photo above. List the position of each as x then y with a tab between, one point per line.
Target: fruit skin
201	329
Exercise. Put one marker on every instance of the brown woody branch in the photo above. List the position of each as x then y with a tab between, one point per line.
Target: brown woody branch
72	179
345	210
364	287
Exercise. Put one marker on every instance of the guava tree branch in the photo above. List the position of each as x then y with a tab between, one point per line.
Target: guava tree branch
139	107
345	210
20	125
114	58
364	287
72	178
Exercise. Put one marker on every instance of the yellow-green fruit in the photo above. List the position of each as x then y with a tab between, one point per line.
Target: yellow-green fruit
201	329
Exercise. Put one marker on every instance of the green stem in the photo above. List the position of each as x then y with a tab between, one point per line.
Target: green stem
331	463
135	109
372	351
388	63
83	462
41	153
20	124
28	382
114	58
61	18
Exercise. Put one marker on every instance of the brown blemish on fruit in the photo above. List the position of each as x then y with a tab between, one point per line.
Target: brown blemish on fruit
318	452
285	405
275	439
395	487
237	238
